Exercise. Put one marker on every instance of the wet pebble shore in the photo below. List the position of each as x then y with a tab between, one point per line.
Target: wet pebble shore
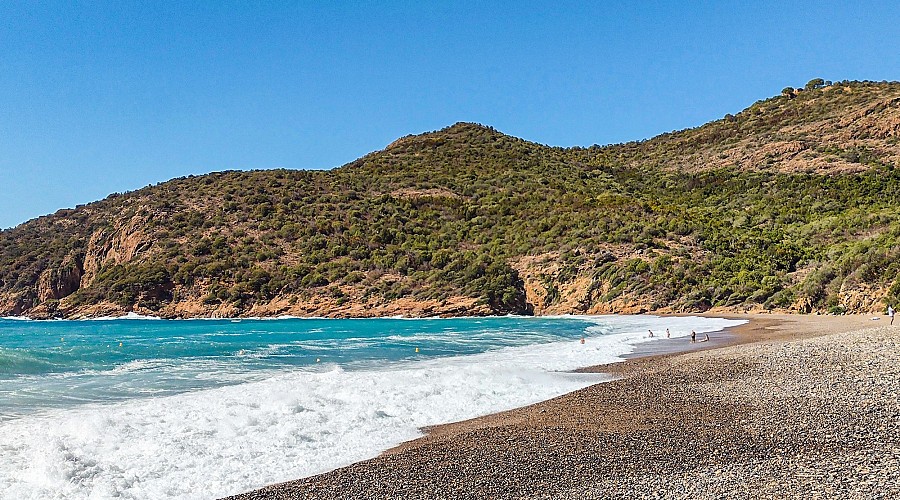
812	418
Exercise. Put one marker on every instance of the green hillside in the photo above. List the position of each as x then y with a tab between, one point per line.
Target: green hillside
794	203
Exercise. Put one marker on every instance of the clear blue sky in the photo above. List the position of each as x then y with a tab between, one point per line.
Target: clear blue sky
106	97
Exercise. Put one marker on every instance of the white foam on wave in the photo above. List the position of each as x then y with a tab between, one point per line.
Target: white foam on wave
130	315
265	318
283	317
17	318
221	441
235	438
138	365
679	326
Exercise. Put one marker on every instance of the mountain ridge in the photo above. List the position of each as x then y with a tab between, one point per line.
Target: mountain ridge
791	204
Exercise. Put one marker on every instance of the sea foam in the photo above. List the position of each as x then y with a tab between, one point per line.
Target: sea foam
129	315
213	442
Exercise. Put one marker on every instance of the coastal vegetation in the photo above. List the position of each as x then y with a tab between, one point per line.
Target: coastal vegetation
793	203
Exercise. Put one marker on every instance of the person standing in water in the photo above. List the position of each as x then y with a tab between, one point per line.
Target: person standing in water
667	333
651	333
693	336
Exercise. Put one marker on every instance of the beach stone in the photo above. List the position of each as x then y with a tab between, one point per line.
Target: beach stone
787	417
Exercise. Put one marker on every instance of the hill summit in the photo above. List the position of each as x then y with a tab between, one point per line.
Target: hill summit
791	204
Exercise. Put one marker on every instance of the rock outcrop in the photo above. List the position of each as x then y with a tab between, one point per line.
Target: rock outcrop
58	283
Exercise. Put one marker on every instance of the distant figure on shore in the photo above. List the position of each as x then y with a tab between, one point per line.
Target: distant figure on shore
693	336
582	340
651	333
891	313
706	339
667	333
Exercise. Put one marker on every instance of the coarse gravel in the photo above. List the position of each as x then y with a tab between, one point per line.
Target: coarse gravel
814	417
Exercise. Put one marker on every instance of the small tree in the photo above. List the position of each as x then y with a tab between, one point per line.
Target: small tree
815	83
788	92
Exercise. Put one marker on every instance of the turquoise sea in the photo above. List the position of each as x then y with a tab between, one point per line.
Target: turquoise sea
144	408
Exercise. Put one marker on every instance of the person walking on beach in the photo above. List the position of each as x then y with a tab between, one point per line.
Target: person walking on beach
693	336
891	313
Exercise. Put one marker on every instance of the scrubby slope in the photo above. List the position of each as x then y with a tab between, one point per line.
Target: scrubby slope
793	203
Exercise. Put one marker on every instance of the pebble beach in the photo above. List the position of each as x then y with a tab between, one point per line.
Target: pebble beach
793	406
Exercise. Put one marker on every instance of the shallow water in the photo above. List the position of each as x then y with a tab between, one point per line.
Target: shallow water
205	408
